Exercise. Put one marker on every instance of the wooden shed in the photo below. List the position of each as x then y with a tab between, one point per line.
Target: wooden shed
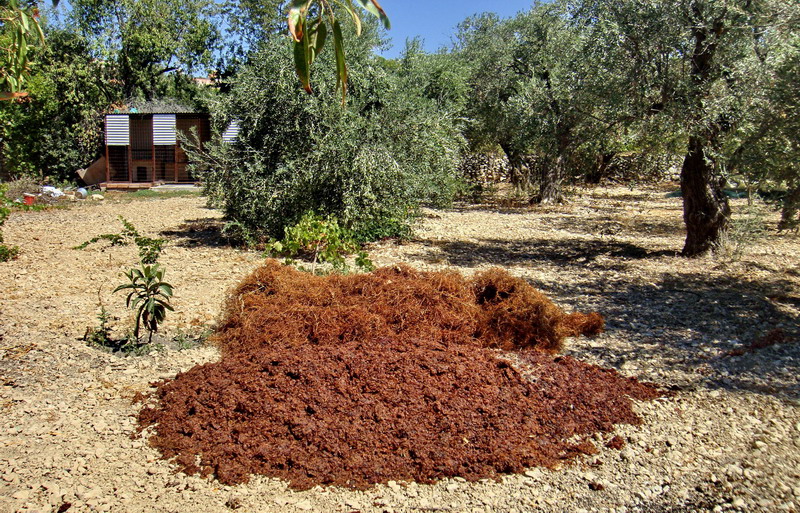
142	149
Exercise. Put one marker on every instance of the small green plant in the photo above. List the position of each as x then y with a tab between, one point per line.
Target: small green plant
6	252
190	339
149	249
320	240
149	296
100	336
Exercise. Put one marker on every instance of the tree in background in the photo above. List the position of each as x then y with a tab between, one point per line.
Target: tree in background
440	77
58	127
147	39
767	151
536	91
370	165
698	63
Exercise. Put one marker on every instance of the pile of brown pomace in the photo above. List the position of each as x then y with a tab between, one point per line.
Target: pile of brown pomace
398	374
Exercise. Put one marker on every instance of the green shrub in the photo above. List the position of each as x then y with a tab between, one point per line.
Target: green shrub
6	252
370	165
320	240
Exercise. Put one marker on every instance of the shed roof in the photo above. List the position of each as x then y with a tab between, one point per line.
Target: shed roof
155	106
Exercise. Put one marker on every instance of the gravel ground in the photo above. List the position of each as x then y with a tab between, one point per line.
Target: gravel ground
728	440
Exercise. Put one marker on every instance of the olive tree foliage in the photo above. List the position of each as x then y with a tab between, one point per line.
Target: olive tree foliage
536	91
698	66
147	39
766	152
371	165
441	77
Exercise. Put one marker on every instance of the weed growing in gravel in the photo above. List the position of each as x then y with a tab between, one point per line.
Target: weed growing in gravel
100	336
184	340
320	240
149	249
6	252
743	233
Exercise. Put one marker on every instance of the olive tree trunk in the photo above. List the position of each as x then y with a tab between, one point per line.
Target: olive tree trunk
519	173
552	176
789	208
705	206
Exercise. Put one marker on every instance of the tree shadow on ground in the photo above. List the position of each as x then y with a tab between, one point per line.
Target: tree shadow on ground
616	225
205	231
572	252
700	325
704	327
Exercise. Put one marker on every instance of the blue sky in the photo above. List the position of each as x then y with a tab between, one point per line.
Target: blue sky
435	21
432	20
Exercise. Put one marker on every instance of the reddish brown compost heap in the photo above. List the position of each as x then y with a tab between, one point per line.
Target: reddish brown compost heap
355	380
279	306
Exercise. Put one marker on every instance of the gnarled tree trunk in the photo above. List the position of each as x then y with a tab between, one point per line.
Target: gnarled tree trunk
552	176
519	171
789	208
705	206
550	180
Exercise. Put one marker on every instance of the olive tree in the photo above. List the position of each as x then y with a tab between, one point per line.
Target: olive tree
371	165
536	90
697	64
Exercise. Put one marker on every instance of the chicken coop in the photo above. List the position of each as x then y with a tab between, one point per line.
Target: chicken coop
145	149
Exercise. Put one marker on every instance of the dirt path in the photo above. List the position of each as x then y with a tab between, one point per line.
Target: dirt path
729	440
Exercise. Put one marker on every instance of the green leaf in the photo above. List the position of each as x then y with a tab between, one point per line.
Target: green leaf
341	65
319	37
375	8
301	64
348	6
22	52
40	33
296	20
23	19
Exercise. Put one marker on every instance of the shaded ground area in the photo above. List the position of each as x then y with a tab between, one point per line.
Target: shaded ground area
356	380
570	252
206	231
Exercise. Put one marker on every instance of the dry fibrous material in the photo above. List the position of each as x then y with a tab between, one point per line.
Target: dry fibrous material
392	375
277	305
